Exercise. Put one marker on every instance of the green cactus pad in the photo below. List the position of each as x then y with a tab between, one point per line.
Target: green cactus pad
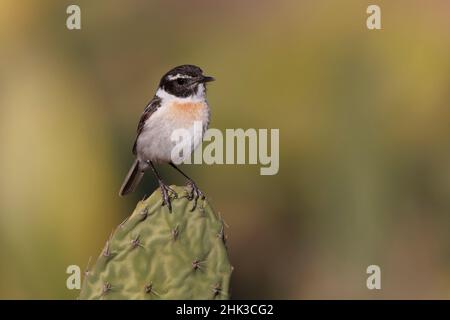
155	254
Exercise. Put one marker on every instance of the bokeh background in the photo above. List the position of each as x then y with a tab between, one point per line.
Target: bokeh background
364	121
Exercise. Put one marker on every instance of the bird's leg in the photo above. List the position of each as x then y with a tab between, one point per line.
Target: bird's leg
165	189
195	191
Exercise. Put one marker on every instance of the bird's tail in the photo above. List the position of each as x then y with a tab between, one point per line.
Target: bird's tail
132	179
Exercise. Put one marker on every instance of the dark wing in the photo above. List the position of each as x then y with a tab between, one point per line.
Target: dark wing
151	107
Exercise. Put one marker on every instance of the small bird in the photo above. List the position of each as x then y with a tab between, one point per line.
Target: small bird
179	102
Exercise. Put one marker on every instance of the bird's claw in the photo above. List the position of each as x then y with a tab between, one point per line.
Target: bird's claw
165	192
194	194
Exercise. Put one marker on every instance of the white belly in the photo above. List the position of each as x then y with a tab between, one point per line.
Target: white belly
155	143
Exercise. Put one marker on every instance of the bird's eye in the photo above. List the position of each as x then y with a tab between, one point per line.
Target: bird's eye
181	81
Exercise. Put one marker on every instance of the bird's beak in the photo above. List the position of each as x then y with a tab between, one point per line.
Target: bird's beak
205	79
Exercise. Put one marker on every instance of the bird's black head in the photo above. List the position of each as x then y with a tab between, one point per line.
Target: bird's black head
184	81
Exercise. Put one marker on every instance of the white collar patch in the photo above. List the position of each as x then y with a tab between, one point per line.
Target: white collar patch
198	97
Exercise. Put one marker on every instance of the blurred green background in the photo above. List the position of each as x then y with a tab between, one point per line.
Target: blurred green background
364	123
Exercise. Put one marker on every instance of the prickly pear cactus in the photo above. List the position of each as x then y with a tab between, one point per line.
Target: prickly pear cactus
155	254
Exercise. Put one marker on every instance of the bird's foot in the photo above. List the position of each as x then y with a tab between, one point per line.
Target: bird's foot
194	194
166	193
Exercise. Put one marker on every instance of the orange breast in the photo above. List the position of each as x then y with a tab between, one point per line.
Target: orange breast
188	111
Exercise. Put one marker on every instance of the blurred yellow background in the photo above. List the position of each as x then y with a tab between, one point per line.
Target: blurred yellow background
364	123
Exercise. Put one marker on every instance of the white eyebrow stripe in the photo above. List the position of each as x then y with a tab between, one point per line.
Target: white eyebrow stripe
178	76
